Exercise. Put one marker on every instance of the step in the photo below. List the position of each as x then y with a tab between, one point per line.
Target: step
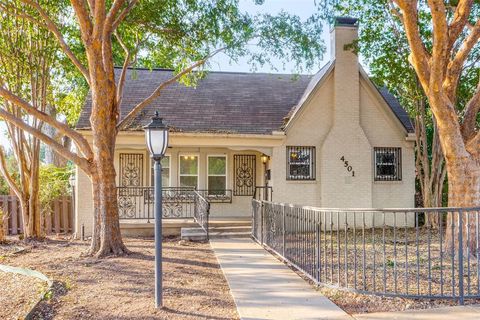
223	235
193	234
231	229
233	223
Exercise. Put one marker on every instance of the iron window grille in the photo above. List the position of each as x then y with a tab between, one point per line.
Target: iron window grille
300	163
388	164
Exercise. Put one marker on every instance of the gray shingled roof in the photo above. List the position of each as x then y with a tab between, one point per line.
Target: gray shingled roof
254	103
222	102
401	114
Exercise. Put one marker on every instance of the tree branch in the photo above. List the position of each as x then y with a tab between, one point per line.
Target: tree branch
52	27
460	19
123	14
156	93
60	149
455	66
61	127
470	116
6	175
419	56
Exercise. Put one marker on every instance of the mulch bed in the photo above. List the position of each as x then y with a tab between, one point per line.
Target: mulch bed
123	287
18	294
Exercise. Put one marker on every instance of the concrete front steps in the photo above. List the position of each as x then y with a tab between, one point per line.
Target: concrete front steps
238	229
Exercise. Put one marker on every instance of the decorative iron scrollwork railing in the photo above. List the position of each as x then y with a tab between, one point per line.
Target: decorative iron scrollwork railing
201	212
137	202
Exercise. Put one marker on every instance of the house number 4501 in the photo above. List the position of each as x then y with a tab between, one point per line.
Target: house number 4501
347	166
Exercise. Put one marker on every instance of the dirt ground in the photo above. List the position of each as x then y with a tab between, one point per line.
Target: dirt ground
123	287
18	294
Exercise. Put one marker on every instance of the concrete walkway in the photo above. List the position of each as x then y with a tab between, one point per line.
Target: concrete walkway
448	313
264	288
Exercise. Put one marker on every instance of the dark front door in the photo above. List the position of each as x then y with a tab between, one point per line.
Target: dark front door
244	174
131	170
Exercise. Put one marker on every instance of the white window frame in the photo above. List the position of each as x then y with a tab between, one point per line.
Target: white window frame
169	171
218	175
189	175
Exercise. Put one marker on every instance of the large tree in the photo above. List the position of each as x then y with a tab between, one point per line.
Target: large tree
454	38
182	34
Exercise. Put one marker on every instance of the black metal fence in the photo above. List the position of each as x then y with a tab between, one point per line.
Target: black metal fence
383	252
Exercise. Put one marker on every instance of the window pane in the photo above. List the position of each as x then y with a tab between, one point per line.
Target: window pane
217	165
388	164
165	162
188	181
300	170
189	165
300	163
165	172
217	183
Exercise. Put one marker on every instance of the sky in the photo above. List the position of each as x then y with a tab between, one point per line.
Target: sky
301	8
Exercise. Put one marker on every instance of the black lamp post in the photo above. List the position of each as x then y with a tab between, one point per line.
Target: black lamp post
156	137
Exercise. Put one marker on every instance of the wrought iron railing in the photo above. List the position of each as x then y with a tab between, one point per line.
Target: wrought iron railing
383	252
264	193
137	202
202	212
216	196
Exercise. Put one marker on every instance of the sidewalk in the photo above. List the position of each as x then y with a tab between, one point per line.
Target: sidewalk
264	288
448	313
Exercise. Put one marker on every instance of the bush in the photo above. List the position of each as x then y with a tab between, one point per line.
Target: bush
54	183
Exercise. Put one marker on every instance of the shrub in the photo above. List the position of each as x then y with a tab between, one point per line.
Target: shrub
54	183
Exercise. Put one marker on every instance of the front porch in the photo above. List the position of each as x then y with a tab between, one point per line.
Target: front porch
226	171
219	227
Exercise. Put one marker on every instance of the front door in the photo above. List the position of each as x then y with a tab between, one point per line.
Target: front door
131	170
244	166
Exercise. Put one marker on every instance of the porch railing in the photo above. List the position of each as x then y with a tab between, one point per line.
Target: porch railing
383	252
137	202
202	212
263	193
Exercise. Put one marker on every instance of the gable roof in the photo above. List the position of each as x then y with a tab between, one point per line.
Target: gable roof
223	102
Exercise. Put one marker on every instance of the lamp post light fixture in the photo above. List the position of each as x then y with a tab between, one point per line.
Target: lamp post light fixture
156	137
264	159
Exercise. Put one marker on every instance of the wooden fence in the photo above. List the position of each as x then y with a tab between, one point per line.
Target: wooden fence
57	219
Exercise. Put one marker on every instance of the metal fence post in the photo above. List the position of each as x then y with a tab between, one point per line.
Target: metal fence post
283	230
262	206
460	258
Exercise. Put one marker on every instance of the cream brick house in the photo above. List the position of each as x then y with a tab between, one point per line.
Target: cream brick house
328	140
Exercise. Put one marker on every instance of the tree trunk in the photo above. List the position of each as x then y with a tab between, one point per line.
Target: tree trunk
463	192
106	239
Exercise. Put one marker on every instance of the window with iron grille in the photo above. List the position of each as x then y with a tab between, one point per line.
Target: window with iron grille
388	164
300	163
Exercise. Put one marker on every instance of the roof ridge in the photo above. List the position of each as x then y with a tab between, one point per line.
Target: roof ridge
221	72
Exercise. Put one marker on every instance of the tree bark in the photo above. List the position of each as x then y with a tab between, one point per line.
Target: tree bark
106	238
464	192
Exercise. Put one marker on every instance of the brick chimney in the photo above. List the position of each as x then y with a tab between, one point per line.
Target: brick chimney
346	140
